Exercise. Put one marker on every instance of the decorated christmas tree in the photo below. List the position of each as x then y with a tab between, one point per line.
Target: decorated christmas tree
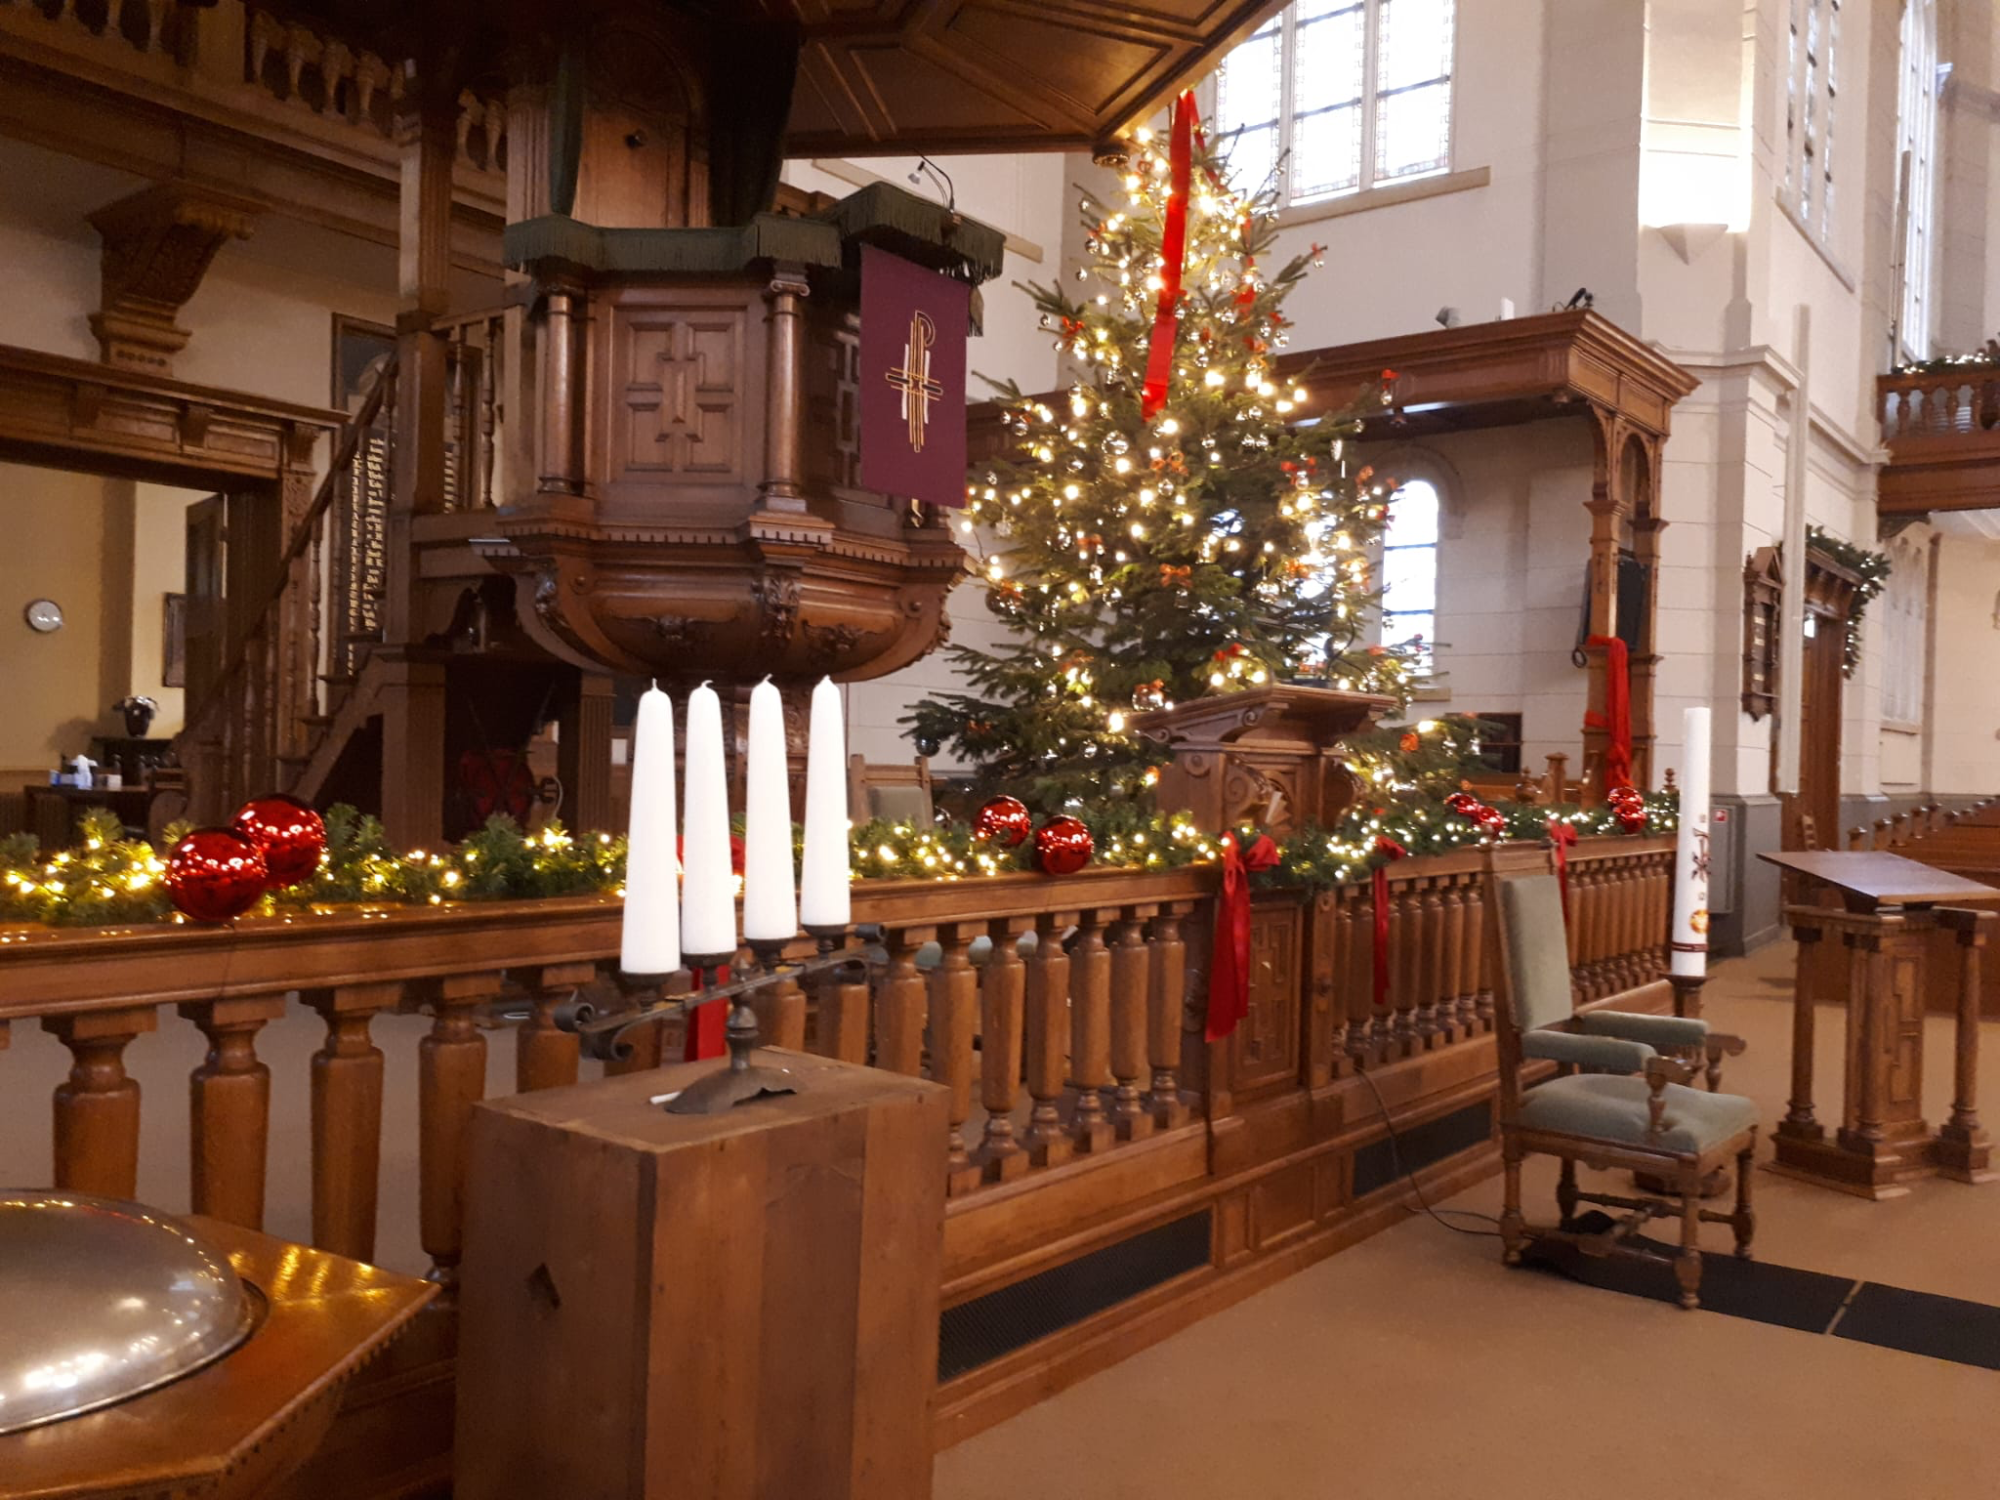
1183	520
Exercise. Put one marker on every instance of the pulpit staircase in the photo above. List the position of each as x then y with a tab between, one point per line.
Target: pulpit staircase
286	694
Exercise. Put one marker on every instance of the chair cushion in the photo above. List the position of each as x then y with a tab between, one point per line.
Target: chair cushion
900	804
1537	950
1612	1107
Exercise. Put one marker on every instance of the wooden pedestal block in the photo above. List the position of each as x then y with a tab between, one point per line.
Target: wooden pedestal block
724	1306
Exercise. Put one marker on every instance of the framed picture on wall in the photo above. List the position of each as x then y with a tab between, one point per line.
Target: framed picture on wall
173	640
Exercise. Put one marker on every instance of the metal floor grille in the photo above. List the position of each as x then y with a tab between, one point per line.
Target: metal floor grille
980	1331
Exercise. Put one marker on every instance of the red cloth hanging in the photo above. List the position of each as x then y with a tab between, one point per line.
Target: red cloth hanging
705	1022
1395	851
1173	256
1617	715
1561	835
1229	971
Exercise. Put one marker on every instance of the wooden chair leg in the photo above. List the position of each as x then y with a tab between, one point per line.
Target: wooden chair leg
1566	1193
1687	1265
1744	1220
1513	1233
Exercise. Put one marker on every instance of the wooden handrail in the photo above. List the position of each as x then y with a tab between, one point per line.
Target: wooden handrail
301	539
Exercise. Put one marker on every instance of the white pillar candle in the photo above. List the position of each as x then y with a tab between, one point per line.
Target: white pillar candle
1690	933
823	881
708	889
770	906
650	939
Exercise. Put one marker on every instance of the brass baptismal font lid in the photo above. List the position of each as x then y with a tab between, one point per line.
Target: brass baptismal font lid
101	1301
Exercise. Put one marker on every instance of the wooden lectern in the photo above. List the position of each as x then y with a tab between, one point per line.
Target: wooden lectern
730	1306
1890	906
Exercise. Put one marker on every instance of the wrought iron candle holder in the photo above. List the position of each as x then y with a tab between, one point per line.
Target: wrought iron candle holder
603	1036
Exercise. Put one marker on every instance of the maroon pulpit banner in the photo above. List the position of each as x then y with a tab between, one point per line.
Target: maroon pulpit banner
913	324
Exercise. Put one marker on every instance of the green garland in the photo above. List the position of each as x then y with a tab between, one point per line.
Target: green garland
110	880
1872	568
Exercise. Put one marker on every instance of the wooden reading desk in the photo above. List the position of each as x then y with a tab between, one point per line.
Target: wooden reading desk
1889	907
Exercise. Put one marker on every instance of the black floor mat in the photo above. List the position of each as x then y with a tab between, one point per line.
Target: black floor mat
1781	1295
1967	1333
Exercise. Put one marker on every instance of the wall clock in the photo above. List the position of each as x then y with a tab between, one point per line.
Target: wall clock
43	615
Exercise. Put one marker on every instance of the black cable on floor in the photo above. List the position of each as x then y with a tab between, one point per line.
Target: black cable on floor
1396	1154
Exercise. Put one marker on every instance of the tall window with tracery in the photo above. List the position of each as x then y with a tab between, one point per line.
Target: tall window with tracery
1917	126
1812	96
1410	569
1333	96
1905	636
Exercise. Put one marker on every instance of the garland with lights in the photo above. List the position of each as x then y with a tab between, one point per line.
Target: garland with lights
110	880
1871	567
1166	529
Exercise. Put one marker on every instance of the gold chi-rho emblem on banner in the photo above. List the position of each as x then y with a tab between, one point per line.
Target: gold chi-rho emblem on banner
914	379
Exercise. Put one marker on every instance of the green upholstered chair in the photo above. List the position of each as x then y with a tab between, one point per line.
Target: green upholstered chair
1620	1096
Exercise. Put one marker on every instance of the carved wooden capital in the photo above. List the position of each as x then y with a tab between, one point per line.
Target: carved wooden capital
158	244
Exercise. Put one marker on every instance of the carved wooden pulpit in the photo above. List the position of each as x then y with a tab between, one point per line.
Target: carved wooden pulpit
1890	907
1273	757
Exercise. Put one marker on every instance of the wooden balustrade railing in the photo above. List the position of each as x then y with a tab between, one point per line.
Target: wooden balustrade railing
1056	1011
1938	404
475	348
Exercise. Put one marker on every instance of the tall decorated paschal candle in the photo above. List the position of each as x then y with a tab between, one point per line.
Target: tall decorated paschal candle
708	885
650	941
770	905
1689	958
823	882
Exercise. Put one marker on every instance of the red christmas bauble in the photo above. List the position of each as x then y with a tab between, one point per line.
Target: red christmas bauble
290	834
1005	821
215	874
1063	846
1632	817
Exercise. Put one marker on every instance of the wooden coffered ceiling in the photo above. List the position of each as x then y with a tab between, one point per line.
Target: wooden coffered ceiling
897	76
883	77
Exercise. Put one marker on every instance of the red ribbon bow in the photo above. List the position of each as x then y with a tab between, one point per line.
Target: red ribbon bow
1229	975
1173	257
1383	845
1561	835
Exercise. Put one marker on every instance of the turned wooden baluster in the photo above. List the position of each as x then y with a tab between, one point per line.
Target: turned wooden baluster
347	1117
1963	1148
900	1005
1090	1031
1660	923
954	1007
1405	958
1801	1121
781	1014
546	1057
1047	1039
451	1079
1003	1000
842	1031
1352	983
1631	926
229	1108
1576	913
1131	990
1452	1016
1429	911
97	1108
1169	999
1478	981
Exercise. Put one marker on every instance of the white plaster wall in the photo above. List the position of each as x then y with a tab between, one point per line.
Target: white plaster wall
1965	700
1027	198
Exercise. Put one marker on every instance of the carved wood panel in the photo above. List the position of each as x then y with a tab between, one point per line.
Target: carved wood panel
680	407
1268	1040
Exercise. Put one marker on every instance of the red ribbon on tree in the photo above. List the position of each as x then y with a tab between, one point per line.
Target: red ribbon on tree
1173	258
1617	715
1561	835
1229	972
1383	845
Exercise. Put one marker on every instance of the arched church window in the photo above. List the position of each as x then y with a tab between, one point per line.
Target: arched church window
1333	96
1905	636
1410	570
1812	96
1917	127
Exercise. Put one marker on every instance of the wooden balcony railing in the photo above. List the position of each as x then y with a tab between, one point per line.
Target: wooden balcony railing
1942	429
